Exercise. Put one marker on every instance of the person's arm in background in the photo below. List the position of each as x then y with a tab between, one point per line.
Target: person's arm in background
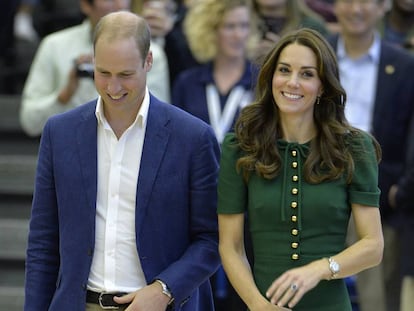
49	88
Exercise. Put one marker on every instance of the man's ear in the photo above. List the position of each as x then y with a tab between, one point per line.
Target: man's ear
148	62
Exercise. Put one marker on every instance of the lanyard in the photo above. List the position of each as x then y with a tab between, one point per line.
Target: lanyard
222	121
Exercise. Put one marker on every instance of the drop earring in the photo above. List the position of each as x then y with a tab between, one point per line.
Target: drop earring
318	99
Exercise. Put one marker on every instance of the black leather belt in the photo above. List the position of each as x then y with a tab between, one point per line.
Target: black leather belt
104	300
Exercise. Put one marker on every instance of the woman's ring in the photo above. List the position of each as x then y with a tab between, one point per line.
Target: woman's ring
294	287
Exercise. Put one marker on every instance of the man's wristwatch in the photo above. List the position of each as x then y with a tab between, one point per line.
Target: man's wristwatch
334	267
166	291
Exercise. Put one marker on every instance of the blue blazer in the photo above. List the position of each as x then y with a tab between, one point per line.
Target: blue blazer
393	112
176	220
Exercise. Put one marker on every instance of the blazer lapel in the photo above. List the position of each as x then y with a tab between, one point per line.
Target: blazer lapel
153	152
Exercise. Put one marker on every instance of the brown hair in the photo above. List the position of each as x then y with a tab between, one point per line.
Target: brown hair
258	126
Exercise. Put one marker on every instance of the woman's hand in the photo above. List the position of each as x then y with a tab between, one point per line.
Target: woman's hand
289	288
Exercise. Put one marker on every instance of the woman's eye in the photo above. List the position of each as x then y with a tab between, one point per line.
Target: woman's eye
308	74
283	69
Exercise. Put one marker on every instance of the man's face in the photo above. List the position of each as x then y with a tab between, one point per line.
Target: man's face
358	17
120	74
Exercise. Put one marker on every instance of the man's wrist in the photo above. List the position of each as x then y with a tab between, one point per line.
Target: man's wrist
166	291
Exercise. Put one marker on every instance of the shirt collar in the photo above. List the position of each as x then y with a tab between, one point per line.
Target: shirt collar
140	120
373	53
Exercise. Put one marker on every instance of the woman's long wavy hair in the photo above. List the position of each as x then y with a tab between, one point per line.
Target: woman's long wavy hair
258	126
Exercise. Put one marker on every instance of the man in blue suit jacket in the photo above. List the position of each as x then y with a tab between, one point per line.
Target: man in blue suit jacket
125	193
377	77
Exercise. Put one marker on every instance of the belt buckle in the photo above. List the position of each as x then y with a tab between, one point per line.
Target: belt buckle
106	307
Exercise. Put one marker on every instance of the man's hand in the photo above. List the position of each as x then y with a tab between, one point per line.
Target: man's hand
148	298
73	80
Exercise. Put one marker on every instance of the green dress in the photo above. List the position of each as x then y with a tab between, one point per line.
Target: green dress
293	222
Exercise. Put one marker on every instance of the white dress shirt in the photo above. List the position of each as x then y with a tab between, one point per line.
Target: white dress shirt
116	266
359	79
49	74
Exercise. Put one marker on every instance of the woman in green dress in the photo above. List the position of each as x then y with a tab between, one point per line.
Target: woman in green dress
298	169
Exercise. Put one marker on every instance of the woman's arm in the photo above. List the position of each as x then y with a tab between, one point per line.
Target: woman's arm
363	254
235	263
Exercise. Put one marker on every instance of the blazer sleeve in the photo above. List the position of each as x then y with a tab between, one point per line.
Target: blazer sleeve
42	261
200	259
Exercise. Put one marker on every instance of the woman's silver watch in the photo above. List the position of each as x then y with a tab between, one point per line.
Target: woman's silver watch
334	267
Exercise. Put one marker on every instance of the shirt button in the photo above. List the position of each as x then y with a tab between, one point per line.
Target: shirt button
294	164
294	153
295	256
295	245
294	218
295	178
295	191
294	204
295	231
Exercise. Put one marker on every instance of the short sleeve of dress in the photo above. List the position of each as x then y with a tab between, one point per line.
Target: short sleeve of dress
364	184
232	190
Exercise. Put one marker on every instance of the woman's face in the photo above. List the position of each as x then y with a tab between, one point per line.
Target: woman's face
234	32
296	83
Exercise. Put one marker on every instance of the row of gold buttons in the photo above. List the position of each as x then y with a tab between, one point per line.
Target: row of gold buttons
294	205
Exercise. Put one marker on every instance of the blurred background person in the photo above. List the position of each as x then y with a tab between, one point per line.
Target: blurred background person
165	18
221	35
276	17
60	77
377	77
23	21
398	25
325	9
401	197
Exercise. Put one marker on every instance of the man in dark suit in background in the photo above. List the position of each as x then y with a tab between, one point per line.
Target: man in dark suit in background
378	81
125	193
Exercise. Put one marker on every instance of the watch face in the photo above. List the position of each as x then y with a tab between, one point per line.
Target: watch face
334	267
